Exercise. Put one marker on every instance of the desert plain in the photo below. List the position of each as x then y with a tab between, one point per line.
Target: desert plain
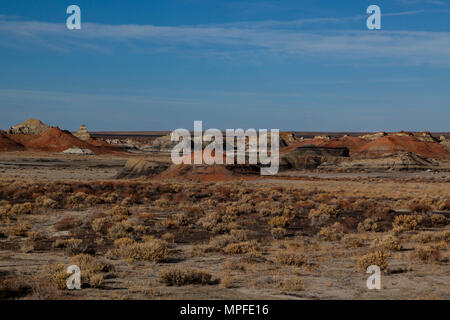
140	227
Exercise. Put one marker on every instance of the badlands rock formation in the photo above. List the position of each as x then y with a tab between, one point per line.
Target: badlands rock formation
163	144
31	126
404	142
82	133
373	136
400	161
310	157
57	140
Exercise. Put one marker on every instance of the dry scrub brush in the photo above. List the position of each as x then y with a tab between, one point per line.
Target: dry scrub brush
427	254
179	277
378	258
407	222
388	242
153	250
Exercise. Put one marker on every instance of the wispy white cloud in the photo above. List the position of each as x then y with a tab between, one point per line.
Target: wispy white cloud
266	38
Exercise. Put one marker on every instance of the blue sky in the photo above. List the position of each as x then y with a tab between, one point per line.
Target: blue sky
306	65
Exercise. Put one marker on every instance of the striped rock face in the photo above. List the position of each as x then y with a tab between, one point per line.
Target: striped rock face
82	133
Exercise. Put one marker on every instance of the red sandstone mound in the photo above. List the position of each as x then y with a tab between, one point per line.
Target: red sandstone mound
393	143
22	138
353	144
292	147
7	144
104	146
205	156
57	140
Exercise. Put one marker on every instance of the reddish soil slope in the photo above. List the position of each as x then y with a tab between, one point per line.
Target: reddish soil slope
6	144
353	144
316	142
104	146
22	138
202	173
389	144
57	140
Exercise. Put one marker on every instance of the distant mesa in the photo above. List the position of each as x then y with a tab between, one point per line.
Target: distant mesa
31	126
82	133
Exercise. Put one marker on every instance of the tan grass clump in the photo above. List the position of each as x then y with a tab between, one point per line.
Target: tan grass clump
21	229
431	236
151	250
76	199
278	233
439	220
295	284
119	211
407	222
378	258
21	208
290	259
74	246
57	275
427	254
353	241
279	222
242	248
178	277
13	288
331	233
170	223
99	225
422	206
388	242
4	210
444	205
46	202
324	211
370	224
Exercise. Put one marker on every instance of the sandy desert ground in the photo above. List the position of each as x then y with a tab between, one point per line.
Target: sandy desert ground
307	235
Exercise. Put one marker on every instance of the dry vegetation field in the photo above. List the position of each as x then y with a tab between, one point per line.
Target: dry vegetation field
302	238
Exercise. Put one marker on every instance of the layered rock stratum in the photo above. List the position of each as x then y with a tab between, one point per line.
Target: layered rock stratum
31	126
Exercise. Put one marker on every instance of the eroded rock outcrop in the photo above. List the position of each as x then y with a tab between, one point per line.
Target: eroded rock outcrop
399	161
31	126
310	157
82	133
135	168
